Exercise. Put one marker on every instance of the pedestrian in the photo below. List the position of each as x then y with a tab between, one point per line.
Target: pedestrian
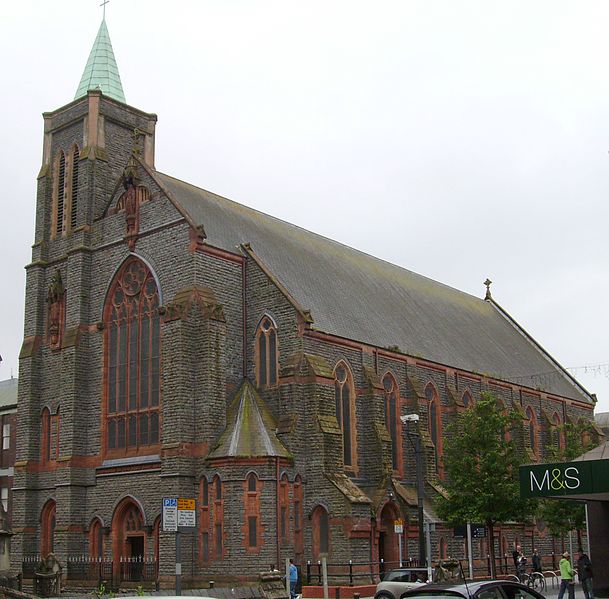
566	577
584	571
536	561
522	567
293	579
516	556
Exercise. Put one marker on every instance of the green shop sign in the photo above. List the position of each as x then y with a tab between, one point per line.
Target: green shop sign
565	479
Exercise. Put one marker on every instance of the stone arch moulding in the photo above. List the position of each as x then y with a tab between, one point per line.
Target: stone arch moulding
268	315
122	501
112	278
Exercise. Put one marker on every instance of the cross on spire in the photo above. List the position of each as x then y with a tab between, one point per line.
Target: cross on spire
104	7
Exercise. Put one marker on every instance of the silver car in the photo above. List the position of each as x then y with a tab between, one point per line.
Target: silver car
397	581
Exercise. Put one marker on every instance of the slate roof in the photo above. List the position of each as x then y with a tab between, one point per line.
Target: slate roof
8	393
250	429
356	296
101	71
602	419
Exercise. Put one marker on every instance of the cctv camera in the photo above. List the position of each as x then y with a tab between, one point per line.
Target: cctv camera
409	418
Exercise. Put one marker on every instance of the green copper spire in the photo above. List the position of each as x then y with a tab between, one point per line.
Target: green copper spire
101	71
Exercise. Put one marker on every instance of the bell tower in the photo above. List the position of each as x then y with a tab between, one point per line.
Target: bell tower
87	144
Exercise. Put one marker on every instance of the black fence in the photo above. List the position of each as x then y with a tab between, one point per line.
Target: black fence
97	569
354	573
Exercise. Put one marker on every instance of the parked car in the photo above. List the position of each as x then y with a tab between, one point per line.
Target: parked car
493	589
395	582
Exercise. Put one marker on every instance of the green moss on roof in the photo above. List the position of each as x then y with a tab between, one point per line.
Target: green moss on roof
101	71
250	429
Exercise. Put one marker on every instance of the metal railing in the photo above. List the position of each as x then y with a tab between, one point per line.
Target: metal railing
138	569
85	567
354	572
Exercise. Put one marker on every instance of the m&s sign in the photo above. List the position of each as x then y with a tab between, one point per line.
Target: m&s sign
568	479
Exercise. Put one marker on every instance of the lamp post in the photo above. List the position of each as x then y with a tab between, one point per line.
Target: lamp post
415	440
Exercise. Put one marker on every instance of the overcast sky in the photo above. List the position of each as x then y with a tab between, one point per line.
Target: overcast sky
461	140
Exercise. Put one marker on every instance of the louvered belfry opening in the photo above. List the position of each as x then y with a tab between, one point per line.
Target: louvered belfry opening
61	184
74	202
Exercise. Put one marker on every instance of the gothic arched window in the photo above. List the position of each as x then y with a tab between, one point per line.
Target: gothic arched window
133	360
204	522
218	518
532	429
467	399
50	436
434	421
59	194
344	395
252	511
558	438
298	496
75	158
392	415
320	532
266	353
47	528
96	539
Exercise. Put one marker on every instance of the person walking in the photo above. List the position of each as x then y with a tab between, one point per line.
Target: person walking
293	579
516	556
584	571
566	577
536	559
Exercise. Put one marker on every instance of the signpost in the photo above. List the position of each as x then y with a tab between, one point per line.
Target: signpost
398	527
179	513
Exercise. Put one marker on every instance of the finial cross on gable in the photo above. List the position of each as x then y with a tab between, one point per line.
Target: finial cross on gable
104	7
488	283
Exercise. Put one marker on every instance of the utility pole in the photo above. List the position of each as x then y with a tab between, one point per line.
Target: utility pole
415	440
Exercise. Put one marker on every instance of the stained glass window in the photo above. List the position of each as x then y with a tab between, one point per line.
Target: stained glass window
391	415
133	358
266	353
343	395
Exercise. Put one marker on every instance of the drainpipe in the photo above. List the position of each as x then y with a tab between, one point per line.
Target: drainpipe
277	522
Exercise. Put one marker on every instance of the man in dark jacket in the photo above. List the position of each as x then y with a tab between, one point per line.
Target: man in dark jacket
584	571
536	561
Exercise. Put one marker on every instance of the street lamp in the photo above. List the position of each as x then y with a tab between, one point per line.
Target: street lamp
415	440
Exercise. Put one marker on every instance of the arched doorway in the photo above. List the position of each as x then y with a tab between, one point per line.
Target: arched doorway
128	540
389	549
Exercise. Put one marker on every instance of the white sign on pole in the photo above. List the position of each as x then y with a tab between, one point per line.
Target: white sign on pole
398	526
187	518
170	514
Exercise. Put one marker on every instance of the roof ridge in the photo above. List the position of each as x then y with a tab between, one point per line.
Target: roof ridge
319	235
567	375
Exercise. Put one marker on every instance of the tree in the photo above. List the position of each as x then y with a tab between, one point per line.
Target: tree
564	515
481	461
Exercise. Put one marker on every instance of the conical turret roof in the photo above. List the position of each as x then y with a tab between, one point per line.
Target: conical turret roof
101	71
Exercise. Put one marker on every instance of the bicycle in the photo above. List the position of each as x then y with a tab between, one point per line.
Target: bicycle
537	581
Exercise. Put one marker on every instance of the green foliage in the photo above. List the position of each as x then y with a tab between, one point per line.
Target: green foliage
563	515
140	590
482	466
481	461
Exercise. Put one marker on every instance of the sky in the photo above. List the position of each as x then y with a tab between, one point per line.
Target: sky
461	140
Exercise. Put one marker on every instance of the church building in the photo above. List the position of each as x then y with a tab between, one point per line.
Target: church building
178	344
